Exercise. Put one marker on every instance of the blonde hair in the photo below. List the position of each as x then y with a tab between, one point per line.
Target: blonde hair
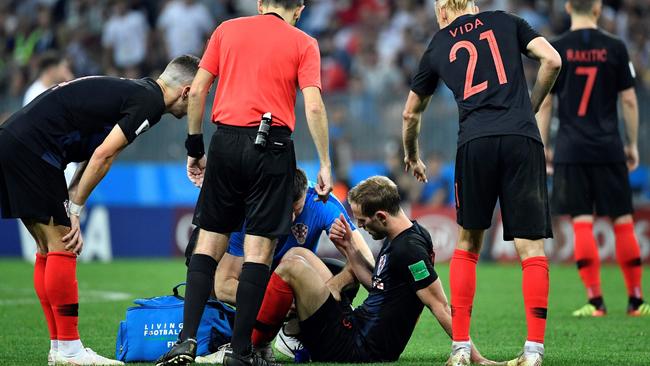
455	5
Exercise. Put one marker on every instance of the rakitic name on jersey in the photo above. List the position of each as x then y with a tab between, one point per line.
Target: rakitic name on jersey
597	55
466	28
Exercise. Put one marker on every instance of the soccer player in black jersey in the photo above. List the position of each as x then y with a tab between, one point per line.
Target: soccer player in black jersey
500	154
590	171
401	283
88	120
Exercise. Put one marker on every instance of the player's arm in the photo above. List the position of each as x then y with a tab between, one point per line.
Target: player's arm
544	124
549	69
341	235
317	122
630	106
95	170
72	188
411	119
199	91
347	276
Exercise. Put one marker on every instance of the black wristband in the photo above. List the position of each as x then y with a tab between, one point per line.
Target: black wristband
194	146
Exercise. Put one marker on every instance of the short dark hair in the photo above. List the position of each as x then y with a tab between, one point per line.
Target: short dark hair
583	6
188	63
374	194
181	70
49	59
299	184
286	4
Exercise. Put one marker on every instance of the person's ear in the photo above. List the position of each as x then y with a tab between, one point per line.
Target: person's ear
298	13
382	217
476	9
568	8
185	93
259	7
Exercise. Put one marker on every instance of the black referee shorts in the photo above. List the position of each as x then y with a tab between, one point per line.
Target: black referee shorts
30	188
588	189
245	182
509	168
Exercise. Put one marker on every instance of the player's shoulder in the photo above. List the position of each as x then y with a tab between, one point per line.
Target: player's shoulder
415	235
311	201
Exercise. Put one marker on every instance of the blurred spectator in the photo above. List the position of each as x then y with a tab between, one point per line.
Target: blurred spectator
52	69
435	193
125	40
185	25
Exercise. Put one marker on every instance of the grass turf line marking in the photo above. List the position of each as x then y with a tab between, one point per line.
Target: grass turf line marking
85	296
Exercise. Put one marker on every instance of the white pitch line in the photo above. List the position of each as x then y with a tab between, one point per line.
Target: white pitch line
85	296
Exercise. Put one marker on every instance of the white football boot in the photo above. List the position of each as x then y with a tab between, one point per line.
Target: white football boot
87	357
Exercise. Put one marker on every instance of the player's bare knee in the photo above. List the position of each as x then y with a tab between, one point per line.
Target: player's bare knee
291	266
625	219
302	252
470	240
583	218
527	248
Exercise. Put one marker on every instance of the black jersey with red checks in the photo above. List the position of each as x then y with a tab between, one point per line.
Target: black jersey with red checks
387	318
595	68
479	58
69	121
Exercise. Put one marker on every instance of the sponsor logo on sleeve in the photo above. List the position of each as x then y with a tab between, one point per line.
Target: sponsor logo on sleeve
419	270
143	127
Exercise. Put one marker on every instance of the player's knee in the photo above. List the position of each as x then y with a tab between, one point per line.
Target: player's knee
291	266
298	251
529	248
625	219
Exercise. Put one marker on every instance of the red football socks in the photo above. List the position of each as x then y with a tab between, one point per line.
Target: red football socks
535	288
586	257
39	286
277	302
462	282
628	256
63	294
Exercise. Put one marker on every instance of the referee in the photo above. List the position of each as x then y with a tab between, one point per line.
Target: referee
259	60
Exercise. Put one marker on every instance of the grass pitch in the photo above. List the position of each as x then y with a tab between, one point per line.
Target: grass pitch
498	326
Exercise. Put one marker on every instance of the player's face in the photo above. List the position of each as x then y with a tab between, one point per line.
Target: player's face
298	206
372	224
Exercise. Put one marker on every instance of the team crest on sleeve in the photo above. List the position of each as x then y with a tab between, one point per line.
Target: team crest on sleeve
299	232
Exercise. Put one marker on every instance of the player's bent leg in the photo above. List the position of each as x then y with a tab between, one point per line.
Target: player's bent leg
628	256
535	287
462	283
226	278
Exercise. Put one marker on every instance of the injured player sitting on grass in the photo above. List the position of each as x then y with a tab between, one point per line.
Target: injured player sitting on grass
399	286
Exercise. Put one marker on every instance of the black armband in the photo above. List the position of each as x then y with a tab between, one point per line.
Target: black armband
194	146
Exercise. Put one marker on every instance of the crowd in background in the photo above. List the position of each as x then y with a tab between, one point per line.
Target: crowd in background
370	49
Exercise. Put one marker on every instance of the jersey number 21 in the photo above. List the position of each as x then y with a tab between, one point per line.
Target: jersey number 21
473	59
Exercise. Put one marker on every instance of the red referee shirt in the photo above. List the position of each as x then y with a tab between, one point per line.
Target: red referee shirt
260	60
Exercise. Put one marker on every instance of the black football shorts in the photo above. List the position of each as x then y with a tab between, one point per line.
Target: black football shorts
30	188
245	182
588	189
512	169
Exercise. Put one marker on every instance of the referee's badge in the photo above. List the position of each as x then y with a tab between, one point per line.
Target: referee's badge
299	232
381	264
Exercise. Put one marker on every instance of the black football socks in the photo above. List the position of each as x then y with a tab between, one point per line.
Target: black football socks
250	293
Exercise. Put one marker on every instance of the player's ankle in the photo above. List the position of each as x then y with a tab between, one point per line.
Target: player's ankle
455	346
598	302
534	347
54	345
71	348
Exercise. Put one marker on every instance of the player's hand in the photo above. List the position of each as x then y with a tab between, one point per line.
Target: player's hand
324	183
417	167
632	155
73	240
341	233
196	170
477	358
548	154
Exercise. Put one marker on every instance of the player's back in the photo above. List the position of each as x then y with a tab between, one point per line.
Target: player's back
595	69
479	58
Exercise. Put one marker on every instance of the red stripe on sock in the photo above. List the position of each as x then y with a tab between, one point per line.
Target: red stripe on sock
462	282
39	287
277	302
587	258
63	293
628	256
535	288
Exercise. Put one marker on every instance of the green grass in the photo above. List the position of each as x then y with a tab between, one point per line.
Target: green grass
498	325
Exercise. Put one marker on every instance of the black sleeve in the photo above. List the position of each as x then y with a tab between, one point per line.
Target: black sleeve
625	72
525	33
137	111
425	81
414	263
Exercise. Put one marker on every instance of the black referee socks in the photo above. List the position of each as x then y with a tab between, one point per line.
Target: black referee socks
250	293
200	278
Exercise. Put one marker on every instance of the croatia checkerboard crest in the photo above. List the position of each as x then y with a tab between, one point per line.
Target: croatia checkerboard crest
299	232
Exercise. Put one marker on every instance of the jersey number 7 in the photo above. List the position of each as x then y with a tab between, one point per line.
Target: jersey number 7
473	59
590	72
